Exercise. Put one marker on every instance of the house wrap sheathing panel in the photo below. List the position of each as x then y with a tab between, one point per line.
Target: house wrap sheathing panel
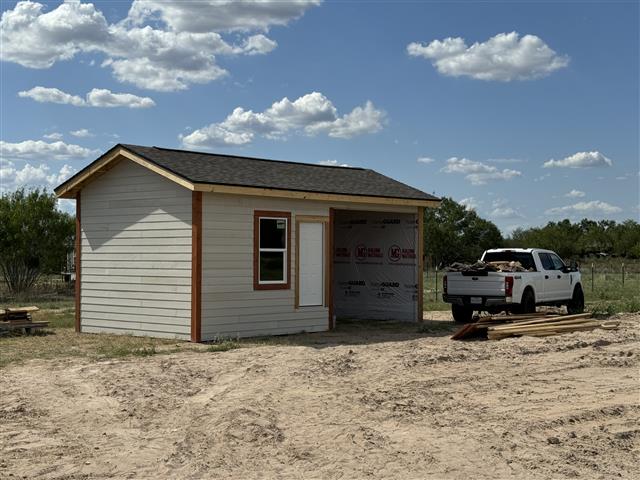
376	265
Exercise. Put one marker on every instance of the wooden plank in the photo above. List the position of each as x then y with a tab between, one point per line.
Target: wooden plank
463	332
532	331
22	309
516	326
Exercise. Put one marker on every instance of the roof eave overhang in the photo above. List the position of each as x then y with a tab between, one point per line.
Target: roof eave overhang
319	196
71	187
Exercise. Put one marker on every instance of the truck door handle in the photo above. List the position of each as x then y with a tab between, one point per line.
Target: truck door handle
546	277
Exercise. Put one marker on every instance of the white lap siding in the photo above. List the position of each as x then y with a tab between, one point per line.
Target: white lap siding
136	254
230	305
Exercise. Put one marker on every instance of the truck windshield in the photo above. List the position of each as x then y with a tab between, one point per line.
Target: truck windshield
525	259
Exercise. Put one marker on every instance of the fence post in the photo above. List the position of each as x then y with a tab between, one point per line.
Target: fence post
436	283
623	274
592	277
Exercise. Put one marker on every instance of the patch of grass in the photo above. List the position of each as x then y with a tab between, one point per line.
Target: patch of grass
58	343
223	346
606	294
117	350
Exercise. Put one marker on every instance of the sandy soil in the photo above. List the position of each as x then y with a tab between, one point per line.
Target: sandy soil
357	403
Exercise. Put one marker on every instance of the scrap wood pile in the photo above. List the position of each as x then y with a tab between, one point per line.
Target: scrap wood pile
19	318
482	267
497	327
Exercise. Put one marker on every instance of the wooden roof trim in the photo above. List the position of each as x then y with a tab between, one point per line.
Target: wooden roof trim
105	163
327	197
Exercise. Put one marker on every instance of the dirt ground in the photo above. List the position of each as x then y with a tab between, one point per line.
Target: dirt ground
376	401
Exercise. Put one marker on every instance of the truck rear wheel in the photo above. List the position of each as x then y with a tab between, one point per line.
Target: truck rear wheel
576	305
461	314
528	302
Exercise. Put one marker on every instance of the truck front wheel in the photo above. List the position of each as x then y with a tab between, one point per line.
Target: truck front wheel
576	305
461	314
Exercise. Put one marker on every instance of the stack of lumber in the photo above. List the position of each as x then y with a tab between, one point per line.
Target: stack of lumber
19	314
19	318
497	327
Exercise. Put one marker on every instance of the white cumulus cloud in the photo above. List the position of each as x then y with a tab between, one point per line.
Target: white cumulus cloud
470	203
30	176
502	209
53	136
39	149
581	160
575	194
426	160
97	97
594	206
215	15
310	114
160	45
333	163
478	173
81	133
504	57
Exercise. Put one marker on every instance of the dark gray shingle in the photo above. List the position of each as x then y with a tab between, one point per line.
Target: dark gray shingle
254	172
211	168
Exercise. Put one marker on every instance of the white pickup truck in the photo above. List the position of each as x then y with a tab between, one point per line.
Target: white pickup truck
545	281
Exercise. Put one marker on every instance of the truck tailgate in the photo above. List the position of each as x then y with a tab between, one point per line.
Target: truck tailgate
490	284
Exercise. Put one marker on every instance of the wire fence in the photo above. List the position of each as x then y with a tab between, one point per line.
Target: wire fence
600	280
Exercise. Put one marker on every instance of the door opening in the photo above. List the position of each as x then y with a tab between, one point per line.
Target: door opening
311	263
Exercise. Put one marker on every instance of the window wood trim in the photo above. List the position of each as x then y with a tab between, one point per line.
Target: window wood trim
257	214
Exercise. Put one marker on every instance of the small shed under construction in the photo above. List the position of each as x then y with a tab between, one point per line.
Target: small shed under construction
198	246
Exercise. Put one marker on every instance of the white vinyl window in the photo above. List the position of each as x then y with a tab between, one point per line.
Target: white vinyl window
272	251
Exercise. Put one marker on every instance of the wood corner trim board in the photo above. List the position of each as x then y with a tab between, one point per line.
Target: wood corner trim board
77	260
330	264
256	250
109	160
196	266
420	273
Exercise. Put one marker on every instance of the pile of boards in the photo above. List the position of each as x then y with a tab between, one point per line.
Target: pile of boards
485	267
497	327
19	318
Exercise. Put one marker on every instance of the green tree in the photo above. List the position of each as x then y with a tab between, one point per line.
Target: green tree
454	233
35	237
580	239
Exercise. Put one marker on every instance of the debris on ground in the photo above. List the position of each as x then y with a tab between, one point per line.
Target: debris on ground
497	327
484	267
19	318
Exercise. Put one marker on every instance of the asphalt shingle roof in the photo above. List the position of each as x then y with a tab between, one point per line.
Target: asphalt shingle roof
212	168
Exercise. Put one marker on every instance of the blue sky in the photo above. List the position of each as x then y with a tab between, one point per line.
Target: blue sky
484	93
